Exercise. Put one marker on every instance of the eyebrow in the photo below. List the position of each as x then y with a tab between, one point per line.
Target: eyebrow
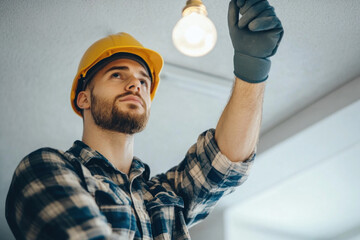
143	73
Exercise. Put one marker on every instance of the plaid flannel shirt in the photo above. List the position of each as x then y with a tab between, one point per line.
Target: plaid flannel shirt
78	194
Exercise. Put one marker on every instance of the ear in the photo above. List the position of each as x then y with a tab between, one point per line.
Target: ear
83	100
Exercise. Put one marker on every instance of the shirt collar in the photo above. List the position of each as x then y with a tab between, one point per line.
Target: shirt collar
87	156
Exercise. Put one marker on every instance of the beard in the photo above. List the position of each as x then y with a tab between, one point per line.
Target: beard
108	116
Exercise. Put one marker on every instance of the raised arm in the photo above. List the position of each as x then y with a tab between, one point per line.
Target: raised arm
255	38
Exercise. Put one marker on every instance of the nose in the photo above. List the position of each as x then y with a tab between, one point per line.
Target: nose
133	84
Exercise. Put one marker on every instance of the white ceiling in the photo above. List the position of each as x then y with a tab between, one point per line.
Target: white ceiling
43	41
312	190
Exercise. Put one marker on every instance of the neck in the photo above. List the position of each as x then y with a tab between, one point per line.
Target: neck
116	147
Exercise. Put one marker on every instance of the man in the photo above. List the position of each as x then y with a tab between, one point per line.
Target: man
98	189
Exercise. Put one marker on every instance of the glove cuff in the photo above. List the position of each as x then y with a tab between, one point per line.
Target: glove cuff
251	69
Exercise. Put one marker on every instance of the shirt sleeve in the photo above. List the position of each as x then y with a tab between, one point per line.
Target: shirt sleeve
203	177
47	201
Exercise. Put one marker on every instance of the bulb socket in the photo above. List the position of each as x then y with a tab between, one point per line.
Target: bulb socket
194	6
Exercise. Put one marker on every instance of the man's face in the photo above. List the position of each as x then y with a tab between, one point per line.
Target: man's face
120	97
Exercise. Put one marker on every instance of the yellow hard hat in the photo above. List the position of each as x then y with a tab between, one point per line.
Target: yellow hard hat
106	47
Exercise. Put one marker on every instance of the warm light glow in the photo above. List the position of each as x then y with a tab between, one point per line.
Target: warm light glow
194	35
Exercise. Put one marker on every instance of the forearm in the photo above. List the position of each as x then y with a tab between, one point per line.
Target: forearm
202	178
238	129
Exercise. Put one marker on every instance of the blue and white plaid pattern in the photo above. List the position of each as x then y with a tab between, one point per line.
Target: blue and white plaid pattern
78	194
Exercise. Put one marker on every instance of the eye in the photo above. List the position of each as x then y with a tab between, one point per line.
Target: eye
144	82
116	75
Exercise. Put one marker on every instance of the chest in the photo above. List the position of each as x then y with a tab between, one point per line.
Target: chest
138	209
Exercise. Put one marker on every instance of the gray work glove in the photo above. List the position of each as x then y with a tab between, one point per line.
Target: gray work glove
255	38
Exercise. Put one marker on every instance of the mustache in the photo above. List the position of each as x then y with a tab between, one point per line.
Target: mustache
130	93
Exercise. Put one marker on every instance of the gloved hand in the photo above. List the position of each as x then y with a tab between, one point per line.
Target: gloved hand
255	38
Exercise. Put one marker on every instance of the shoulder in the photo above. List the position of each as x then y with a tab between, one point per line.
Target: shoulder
45	152
41	159
41	169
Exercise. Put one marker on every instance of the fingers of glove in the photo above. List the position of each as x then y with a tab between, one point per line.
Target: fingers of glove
233	14
265	21
280	33
252	13
240	3
268	12
247	4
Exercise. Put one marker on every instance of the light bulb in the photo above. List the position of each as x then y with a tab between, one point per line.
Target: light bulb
194	34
